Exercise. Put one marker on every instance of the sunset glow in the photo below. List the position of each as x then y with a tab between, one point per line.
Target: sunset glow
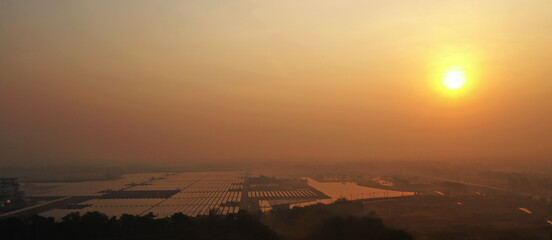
183	81
196	118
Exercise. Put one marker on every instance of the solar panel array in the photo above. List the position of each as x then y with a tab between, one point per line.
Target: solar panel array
282	194
88	188
219	192
198	193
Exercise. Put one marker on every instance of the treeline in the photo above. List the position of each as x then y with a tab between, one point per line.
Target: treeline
343	219
355	228
95	225
240	226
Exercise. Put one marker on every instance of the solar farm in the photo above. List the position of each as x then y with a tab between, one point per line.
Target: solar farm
162	194
191	193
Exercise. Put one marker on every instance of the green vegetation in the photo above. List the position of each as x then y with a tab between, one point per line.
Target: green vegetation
355	228
340	220
95	225
240	226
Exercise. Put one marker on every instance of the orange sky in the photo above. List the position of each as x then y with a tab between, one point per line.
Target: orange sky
204	81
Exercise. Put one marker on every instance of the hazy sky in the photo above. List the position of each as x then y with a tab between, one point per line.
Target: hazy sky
203	81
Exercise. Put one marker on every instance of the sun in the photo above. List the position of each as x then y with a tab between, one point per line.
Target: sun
454	80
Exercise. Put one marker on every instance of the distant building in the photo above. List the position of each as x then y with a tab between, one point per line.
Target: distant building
9	191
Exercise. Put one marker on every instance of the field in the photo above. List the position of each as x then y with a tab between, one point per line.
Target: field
465	217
